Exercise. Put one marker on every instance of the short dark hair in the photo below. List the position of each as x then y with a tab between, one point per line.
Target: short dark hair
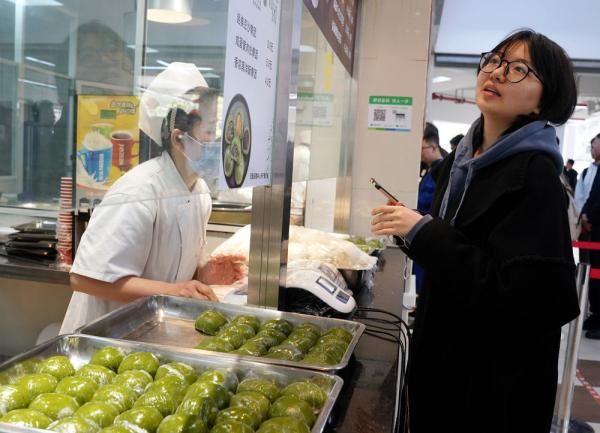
596	137
570	161
456	139
551	62
431	134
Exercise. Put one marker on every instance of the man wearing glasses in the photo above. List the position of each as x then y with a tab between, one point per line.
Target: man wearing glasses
587	200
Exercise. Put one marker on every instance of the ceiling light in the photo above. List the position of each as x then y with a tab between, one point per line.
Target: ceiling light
307	49
169	11
440	79
42	62
162	62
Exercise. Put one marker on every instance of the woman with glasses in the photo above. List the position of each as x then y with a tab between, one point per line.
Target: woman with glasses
499	274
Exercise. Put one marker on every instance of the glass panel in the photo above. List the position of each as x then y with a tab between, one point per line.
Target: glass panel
320	150
54	50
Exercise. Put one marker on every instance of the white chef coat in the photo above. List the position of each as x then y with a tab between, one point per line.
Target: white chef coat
148	225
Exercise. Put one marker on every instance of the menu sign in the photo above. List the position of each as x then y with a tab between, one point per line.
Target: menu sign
107	143
249	92
337	21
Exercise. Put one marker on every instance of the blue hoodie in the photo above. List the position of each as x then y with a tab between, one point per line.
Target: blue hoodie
537	135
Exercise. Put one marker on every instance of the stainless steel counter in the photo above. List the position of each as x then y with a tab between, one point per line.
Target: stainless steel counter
22	269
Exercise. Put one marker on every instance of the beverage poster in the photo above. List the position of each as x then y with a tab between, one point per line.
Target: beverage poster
107	144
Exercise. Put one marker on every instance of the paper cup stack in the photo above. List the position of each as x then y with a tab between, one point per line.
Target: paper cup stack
64	227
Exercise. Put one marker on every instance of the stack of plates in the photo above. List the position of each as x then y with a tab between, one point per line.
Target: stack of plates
36	240
65	222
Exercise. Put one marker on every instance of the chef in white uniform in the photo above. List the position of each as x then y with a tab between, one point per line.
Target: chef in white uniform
147	236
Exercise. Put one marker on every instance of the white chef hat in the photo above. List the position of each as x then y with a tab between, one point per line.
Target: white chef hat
165	92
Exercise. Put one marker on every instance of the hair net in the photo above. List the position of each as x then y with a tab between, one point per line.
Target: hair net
168	91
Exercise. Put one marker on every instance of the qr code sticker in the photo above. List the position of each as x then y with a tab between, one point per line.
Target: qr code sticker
379	115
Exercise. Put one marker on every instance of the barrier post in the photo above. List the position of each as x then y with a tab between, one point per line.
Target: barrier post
565	399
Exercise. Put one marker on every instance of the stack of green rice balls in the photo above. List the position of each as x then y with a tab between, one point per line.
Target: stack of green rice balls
276	338
118	393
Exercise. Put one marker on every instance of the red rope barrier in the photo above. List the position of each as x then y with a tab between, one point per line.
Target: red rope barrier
584	245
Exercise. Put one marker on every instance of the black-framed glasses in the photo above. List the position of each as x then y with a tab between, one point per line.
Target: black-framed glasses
515	71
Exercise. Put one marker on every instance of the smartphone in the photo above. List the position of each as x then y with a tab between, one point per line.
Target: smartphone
384	191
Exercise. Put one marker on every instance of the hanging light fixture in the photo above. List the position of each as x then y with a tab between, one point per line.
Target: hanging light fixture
169	11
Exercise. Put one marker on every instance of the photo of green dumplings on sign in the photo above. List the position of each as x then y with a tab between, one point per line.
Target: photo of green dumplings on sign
237	142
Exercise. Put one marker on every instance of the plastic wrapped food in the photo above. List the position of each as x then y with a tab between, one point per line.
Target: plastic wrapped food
232	427
202	406
232	336
286	353
102	413
55	406
27	418
283	424
309	328
251	348
98	373
109	357
278	324
73	424
244	330
178	369
302	341
81	389
215	344
58	366
35	384
340	333
140	361
174	386
160	401
271	336
247	320
210	322
118	395
266	387
238	414
252	400
221	376
218	393
136	380
305	244
294	407
307	391
180	423
117	429
145	417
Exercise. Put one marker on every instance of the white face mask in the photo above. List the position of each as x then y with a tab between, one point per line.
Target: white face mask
202	158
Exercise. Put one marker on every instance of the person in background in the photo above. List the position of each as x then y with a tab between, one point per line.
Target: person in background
587	200
570	173
431	135
454	141
431	156
148	235
496	249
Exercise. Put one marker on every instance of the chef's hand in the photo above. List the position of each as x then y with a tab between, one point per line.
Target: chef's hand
393	220
223	270
196	289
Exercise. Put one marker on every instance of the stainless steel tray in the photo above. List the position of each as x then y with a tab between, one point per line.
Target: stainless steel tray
169	321
80	348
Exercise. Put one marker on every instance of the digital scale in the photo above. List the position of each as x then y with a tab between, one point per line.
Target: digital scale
323	281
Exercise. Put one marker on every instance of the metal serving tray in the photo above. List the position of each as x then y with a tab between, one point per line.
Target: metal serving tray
169	321
80	348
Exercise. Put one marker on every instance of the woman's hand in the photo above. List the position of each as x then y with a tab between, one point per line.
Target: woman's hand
195	289
393	220
223	270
